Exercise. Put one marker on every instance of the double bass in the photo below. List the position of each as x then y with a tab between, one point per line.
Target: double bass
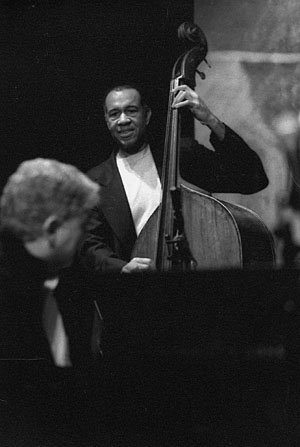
192	230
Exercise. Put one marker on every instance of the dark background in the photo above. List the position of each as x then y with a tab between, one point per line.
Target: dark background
58	57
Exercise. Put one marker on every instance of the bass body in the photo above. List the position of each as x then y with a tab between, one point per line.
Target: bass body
219	234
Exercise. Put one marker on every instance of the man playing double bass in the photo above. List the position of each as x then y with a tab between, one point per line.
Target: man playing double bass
130	187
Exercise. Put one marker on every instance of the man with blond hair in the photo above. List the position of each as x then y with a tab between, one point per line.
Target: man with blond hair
45	208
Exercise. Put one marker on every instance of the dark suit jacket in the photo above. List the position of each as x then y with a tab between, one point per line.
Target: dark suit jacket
39	401
21	306
232	167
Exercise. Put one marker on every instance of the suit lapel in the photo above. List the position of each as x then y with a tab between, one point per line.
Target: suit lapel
115	205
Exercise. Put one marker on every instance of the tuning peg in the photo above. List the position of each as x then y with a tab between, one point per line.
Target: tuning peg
201	74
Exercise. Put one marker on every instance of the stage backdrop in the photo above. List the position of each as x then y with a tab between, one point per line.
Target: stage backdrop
253	83
58	57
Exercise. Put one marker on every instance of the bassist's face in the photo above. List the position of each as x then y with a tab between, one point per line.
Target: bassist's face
127	119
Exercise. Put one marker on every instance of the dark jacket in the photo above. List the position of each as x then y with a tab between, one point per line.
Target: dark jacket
21	306
39	401
232	167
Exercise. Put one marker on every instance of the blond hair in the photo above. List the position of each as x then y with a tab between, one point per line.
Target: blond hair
43	187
